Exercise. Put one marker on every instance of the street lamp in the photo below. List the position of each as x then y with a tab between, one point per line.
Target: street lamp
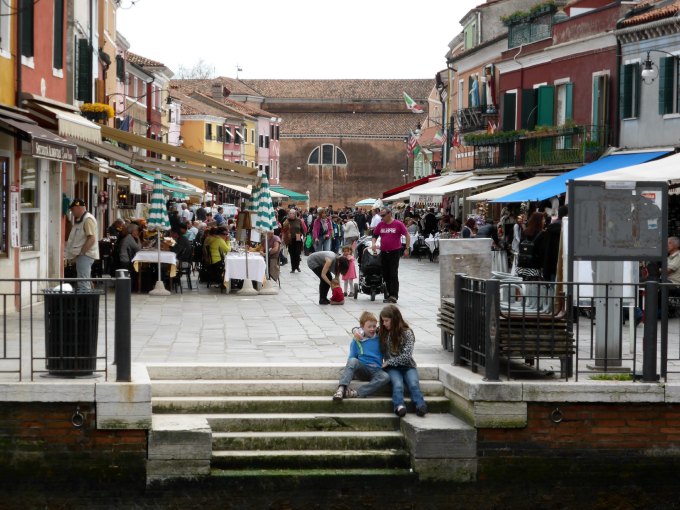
650	70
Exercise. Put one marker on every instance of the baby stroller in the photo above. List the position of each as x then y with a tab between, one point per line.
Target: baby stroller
370	270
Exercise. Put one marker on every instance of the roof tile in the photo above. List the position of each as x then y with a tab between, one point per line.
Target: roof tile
141	61
346	124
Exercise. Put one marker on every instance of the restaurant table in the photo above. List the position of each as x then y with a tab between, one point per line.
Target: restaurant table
151	256
235	267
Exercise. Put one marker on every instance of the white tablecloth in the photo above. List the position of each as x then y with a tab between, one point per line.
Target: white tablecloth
432	243
235	267
151	256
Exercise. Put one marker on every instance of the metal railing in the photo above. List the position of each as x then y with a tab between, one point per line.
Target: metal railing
540	328
560	146
49	328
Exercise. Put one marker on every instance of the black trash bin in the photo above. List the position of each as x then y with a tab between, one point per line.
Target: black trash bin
71	330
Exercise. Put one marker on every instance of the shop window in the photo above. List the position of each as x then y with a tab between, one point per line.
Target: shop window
30	205
4	204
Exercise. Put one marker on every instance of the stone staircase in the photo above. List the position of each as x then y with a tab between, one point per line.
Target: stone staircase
240	420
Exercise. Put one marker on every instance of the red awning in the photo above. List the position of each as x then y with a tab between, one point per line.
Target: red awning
407	186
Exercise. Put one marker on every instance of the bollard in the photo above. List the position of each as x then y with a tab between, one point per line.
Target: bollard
649	339
122	354
459	317
492	347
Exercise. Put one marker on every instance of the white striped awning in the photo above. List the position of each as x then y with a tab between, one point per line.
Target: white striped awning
73	125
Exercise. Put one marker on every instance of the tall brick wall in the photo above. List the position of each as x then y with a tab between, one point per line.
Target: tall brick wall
39	439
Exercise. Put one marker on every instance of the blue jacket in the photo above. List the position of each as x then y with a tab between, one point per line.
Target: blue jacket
367	352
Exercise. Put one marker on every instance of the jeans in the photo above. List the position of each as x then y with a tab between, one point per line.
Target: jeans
402	375
323	286
84	270
389	260
376	376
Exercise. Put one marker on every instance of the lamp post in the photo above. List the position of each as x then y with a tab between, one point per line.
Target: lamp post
650	70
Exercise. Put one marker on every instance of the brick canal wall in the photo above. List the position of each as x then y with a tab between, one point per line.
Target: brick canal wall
39	439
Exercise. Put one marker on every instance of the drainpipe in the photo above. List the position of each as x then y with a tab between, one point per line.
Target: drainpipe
18	59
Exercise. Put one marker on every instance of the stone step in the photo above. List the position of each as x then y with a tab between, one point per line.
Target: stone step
260	372
284	405
311	459
309	475
259	387
261	422
306	441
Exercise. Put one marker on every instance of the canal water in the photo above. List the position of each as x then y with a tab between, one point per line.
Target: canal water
339	494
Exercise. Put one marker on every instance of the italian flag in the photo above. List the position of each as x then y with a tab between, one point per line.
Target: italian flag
439	137
412	105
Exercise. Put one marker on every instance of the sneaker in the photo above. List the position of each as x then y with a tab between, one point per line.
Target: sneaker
392	299
339	394
386	300
400	411
324	302
421	411
350	393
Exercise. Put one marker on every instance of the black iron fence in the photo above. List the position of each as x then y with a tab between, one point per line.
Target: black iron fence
51	328
558	146
523	329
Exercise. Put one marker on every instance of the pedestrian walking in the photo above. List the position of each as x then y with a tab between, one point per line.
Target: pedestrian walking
82	246
390	232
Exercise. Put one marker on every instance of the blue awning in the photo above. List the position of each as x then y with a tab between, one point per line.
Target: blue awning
558	185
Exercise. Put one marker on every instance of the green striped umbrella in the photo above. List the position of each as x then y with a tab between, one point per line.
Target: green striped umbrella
158	214
158	220
260	205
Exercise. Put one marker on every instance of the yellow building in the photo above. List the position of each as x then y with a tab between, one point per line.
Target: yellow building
7	50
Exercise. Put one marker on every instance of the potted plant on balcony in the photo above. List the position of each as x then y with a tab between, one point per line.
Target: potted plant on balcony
97	112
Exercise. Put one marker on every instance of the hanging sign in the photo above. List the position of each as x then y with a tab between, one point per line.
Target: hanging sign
14	216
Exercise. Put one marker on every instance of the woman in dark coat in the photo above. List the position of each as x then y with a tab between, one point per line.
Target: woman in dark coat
532	249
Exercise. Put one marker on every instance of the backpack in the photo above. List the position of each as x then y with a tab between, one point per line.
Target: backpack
525	257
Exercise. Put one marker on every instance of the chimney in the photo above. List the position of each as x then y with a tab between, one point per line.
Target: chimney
217	91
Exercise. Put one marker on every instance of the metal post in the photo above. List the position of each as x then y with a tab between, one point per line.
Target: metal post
459	317
491	312
122	355
649	339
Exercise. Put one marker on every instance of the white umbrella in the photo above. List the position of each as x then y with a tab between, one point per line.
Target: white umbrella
365	202
264	217
158	220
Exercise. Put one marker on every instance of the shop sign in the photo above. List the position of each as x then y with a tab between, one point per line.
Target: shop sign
14	216
57	152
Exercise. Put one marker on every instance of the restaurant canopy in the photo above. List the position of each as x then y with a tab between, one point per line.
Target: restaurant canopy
558	185
435	195
664	169
432	183
293	195
407	186
510	188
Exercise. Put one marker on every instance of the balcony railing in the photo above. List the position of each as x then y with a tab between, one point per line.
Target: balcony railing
469	119
560	146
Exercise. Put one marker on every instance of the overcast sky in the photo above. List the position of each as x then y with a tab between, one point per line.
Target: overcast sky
303	39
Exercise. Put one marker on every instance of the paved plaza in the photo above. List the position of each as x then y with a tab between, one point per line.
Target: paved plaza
205	326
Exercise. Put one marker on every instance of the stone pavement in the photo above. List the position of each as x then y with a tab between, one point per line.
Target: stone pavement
205	326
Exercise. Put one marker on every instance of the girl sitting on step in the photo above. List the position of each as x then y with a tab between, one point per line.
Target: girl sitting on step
397	341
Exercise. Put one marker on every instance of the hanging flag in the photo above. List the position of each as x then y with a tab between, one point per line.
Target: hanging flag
411	145
125	126
491	127
412	105
439	138
456	139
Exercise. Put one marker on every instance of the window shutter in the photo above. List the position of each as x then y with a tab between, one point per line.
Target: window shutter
509	111
58	44
26	7
529	113
635	81
84	83
546	105
666	80
624	92
569	102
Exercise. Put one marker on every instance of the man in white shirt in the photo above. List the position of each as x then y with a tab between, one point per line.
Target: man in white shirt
375	221
185	213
